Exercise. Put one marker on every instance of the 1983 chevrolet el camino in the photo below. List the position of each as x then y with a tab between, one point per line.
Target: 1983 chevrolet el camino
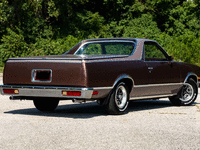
111	71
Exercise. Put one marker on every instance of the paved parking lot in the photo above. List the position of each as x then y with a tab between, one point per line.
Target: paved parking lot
148	125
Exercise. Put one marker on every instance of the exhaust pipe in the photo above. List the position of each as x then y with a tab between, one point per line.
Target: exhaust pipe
16	98
78	101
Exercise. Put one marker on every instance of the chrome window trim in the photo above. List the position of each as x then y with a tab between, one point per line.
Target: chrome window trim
104	56
157	61
134	49
71	48
111	60
33	73
109	41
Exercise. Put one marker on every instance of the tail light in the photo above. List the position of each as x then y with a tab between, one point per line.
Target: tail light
95	93
71	93
10	91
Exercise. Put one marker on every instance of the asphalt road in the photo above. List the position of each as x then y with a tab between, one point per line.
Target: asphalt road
148	125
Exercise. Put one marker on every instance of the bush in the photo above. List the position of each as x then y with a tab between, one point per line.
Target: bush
143	27
52	47
185	48
13	45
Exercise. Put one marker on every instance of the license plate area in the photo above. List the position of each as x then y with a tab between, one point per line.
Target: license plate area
41	75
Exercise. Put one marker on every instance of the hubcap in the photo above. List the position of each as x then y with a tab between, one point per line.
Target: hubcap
187	93
121	97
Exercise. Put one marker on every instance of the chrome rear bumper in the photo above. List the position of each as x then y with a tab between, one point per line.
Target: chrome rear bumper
44	91
55	92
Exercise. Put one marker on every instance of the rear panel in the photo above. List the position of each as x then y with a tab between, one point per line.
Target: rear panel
60	73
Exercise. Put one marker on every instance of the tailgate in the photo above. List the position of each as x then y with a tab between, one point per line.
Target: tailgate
44	72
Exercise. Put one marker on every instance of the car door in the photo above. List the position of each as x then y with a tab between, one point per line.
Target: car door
163	73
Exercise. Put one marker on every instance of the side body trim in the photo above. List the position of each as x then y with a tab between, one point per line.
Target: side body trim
153	96
150	85
123	77
191	74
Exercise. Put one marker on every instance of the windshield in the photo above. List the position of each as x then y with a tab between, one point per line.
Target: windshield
106	48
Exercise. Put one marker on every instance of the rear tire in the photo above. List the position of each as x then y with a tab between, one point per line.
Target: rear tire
187	95
118	100
46	104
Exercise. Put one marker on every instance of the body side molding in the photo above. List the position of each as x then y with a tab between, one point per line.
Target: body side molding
124	76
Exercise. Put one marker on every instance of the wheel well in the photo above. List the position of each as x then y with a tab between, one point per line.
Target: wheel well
193	77
128	82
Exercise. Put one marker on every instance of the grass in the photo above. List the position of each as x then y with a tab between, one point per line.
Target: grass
1	69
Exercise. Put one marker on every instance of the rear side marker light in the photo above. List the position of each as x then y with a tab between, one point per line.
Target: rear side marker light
10	91
71	93
95	93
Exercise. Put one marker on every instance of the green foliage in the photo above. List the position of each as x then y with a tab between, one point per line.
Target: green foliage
51	27
1	69
13	45
143	27
184	48
52	47
5	16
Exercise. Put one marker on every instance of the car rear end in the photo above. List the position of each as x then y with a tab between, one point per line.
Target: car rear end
55	77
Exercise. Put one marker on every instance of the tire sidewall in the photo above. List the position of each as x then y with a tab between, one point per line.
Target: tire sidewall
195	89
127	97
45	104
112	107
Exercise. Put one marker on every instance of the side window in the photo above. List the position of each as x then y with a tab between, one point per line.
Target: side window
152	52
107	48
119	48
92	49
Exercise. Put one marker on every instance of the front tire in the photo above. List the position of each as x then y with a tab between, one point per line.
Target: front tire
46	104
187	94
118	100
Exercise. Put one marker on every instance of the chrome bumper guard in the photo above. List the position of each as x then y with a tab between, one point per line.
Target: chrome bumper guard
45	91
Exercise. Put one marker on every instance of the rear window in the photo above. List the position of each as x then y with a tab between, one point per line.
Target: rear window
106	48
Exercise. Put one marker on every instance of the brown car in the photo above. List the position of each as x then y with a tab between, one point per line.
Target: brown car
111	71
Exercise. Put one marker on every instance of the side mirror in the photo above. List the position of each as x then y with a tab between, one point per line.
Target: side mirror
170	58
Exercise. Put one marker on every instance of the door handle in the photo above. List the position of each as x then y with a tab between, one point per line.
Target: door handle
150	68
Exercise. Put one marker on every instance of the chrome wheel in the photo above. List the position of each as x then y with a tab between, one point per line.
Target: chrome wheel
121	97
187	93
118	100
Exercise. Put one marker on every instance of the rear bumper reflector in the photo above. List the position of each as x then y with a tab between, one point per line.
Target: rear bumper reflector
10	91
71	93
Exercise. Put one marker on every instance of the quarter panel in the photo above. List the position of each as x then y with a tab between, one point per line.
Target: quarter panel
105	73
186	69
